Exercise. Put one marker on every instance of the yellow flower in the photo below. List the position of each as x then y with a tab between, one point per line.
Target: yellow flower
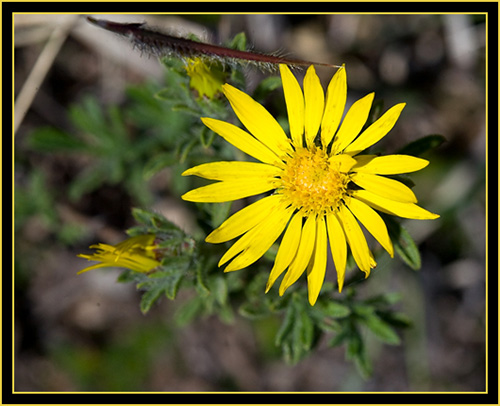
321	185
206	81
135	253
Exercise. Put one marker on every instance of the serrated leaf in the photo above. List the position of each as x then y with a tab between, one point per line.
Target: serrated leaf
149	298
165	282
129	276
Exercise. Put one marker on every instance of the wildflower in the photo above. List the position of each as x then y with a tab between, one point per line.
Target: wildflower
135	253
206	81
322	186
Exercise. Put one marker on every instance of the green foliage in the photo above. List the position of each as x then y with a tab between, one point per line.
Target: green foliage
187	265
159	128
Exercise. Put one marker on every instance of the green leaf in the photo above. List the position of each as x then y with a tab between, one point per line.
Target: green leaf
157	163
90	179
396	319
189	311
201	279
184	108
304	331
149	298
356	352
218	287
354	344
404	245
385	299
286	326
206	137
334	309
381	329
339	338
297	332
422	145
167	94
239	42
164	282
363	365
130	276
49	139
218	212
254	310
407	250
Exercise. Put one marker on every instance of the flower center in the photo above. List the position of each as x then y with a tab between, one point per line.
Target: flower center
312	182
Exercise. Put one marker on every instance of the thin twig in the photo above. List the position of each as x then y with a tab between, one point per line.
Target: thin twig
37	75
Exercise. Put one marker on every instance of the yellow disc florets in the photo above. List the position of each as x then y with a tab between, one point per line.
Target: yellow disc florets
312	182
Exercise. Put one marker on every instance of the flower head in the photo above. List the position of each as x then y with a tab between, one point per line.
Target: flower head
322	185
206	81
135	253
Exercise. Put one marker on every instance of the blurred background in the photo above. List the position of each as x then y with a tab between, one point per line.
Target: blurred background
86	333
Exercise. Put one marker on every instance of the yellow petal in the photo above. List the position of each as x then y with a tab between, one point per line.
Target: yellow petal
257	120
385	187
356	240
241	140
353	122
229	190
233	170
304	252
287	250
389	164
317	270
244	219
338	247
336	96
257	241
294	100
343	162
372	222
406	210
314	104
376	131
